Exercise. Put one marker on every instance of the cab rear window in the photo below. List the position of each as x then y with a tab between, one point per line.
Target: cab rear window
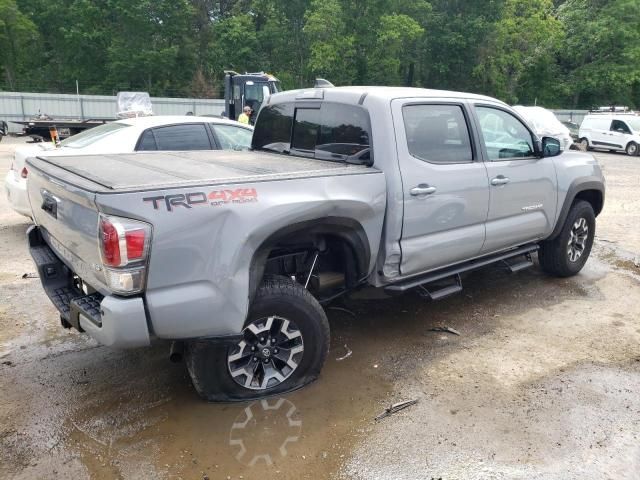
326	131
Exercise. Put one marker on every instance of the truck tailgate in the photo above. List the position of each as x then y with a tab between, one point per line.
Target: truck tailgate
68	220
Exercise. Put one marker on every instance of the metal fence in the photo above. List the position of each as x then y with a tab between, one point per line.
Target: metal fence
575	116
23	106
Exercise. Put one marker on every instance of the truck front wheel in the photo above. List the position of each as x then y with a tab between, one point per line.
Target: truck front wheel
567	253
283	347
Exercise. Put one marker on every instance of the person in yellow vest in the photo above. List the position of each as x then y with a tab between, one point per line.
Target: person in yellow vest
245	116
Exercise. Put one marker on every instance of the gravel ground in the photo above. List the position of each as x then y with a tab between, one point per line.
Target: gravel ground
542	383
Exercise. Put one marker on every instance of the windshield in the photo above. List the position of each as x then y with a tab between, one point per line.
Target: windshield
634	123
92	135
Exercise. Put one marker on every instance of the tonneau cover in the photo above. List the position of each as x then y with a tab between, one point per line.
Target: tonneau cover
156	170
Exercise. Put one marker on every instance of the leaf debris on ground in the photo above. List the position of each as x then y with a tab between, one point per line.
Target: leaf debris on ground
395	408
346	355
445	329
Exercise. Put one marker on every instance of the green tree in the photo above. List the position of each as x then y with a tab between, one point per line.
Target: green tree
576	53
600	60
150	47
18	40
235	44
456	32
331	45
396	43
523	40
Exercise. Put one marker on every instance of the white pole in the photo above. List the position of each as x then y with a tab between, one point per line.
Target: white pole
78	96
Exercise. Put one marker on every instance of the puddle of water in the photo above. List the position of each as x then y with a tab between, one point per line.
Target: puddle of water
134	415
310	430
145	420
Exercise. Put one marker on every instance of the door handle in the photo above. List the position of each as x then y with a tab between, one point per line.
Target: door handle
499	180
422	189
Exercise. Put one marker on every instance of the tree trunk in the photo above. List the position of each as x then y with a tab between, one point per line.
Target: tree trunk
409	79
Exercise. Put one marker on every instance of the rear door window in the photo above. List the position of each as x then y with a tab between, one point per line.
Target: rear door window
193	136
437	133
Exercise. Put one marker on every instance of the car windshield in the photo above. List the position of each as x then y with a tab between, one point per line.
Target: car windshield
92	135
634	123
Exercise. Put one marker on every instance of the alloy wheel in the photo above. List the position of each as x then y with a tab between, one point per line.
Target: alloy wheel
270	351
578	236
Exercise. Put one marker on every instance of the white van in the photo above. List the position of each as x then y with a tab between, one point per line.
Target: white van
615	131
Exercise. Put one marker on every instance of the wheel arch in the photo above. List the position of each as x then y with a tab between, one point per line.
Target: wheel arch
591	191
346	230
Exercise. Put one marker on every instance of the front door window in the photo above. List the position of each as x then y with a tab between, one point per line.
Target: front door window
505	136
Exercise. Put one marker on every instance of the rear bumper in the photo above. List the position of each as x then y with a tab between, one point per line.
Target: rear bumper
113	321
16	190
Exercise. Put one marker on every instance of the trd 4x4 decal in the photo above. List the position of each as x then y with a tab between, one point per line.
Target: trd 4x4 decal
194	199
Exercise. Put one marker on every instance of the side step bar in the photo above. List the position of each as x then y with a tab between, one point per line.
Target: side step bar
526	262
404	285
438	292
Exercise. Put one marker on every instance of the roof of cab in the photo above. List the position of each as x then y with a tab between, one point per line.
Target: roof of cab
356	94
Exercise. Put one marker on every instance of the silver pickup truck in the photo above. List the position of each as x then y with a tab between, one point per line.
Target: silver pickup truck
231	255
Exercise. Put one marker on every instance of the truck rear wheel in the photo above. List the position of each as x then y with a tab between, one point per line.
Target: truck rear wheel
283	347
566	254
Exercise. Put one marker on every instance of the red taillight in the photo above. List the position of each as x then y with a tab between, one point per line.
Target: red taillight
110	243
123	241
135	244
24	172
124	246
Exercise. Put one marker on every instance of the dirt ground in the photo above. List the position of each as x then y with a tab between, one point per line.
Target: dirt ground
541	383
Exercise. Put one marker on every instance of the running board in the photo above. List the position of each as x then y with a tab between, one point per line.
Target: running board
521	265
426	291
405	285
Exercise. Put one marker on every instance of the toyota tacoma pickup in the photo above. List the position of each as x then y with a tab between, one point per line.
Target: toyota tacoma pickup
232	255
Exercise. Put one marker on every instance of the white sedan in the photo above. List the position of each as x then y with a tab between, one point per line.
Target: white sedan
175	133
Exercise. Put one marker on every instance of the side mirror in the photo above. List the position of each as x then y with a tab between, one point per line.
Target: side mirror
550	147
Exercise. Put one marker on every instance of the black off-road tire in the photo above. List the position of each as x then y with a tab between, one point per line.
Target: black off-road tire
207	361
554	254
632	149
